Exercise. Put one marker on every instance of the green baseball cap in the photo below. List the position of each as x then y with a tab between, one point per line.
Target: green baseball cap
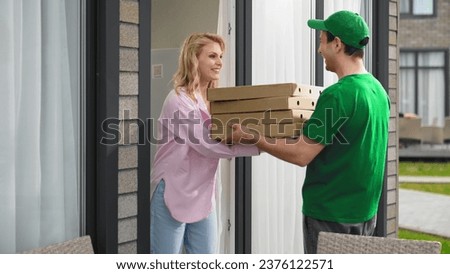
349	26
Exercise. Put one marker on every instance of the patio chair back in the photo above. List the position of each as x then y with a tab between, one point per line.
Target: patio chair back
337	243
409	130
432	135
447	130
80	245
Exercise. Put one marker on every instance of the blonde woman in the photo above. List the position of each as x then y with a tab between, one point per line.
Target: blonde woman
186	160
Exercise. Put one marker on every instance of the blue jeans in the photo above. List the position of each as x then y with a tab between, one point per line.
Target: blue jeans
168	235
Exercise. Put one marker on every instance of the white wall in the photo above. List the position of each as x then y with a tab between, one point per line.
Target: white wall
173	20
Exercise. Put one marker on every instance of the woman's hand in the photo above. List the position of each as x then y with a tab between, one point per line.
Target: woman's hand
242	135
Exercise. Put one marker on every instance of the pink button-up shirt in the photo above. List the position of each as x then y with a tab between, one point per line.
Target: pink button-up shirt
187	159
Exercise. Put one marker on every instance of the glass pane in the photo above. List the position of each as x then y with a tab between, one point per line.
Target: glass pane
407	90
431	95
431	59
405	6
407	59
423	7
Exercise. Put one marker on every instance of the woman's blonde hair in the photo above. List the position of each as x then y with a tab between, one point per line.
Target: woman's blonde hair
187	74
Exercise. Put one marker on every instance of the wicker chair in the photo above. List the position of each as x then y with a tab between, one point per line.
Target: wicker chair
80	245
447	130
336	243
409	131
432	135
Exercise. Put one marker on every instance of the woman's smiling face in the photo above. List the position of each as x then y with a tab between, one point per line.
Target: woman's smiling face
210	62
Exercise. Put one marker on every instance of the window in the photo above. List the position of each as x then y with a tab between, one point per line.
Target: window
417	7
423	85
40	109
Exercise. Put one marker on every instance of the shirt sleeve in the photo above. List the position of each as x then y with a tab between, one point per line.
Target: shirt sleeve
187	127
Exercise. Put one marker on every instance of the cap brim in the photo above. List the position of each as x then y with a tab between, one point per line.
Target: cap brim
317	24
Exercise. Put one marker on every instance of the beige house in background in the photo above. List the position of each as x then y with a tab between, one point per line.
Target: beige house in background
424	42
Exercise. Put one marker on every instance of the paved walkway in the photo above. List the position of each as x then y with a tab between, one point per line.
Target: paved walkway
425	212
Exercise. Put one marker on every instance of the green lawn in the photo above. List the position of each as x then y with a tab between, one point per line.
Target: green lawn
434	187
408	234
425	169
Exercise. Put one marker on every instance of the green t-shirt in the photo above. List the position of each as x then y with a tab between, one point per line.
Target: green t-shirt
344	182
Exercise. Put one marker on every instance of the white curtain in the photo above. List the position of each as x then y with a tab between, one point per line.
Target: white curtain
407	95
225	174
39	190
330	7
431	88
281	53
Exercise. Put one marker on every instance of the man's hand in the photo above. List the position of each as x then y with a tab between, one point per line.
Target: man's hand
242	135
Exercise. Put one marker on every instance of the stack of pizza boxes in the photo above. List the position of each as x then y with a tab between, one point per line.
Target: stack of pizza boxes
277	110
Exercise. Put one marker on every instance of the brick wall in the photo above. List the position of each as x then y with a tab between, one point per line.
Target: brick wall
433	32
392	165
428	32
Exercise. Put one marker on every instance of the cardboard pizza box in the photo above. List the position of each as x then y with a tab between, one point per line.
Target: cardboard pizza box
262	104
262	91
